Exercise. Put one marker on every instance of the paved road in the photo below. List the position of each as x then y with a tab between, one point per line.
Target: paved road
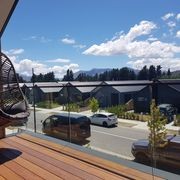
114	140
117	140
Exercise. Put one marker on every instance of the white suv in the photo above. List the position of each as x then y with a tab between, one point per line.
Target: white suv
104	118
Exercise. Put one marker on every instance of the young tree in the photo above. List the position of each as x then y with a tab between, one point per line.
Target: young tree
94	105
157	129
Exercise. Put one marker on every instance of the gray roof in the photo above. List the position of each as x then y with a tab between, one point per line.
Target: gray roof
51	89
125	89
28	84
174	86
129	82
86	85
39	84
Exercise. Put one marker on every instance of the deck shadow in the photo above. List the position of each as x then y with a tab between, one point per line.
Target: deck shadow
8	154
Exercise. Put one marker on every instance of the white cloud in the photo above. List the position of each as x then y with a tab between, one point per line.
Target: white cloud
80	46
152	39
173	63
41	39
120	45
25	66
68	41
72	41
44	39
156	49
140	52
178	17
167	16
143	28
30	38
178	34
171	24
59	60
12	52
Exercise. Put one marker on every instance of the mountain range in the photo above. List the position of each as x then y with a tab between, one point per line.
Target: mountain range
92	72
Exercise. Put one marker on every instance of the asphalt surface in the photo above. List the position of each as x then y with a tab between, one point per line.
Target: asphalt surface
115	140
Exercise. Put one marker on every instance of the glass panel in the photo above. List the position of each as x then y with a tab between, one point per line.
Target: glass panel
125	136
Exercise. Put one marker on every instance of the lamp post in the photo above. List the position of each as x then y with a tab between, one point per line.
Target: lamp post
34	100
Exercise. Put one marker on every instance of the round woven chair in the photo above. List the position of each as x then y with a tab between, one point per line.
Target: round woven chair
13	105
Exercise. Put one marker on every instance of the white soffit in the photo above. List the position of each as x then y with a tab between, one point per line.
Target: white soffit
6	9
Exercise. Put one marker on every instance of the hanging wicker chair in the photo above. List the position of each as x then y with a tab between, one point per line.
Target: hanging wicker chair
13	105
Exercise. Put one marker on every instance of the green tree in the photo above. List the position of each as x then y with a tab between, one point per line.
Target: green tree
158	71
157	130
69	76
49	77
20	78
124	73
169	73
143	74
94	105
152	73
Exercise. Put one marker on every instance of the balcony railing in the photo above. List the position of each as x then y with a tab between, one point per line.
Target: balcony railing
56	107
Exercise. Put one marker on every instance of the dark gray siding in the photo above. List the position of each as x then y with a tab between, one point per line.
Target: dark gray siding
104	96
142	100
168	95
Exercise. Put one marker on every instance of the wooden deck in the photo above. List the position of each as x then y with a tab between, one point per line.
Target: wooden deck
28	157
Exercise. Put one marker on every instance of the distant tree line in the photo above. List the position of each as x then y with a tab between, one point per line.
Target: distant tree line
48	77
124	73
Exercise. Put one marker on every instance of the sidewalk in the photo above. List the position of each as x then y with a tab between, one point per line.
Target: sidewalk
143	125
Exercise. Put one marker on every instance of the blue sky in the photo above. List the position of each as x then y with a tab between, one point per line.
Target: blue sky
54	35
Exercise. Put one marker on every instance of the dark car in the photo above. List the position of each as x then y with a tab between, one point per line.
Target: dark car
65	126
168	152
168	110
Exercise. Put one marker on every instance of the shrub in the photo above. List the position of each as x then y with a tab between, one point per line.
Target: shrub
72	107
47	104
177	122
94	105
119	110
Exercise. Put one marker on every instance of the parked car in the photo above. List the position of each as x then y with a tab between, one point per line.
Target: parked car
167	153
64	126
104	118
168	110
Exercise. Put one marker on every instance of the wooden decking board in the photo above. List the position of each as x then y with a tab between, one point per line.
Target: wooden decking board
70	169
2	178
8	174
114	167
35	169
66	159
91	161
21	171
30	157
46	166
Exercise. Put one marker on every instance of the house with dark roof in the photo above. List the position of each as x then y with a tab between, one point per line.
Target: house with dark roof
142	100
45	91
76	91
26	89
113	93
169	92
